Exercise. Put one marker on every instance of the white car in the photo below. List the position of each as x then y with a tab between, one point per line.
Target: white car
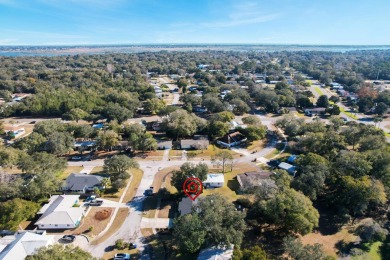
122	256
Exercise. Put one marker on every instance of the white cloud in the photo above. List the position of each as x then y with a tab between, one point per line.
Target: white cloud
244	13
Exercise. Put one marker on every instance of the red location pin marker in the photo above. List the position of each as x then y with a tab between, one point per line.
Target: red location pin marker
193	187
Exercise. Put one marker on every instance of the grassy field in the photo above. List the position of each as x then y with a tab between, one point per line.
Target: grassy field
69	170
134	253
256	145
211	151
348	113
319	91
118	221
329	241
135	181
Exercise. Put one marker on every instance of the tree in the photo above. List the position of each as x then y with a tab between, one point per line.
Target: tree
75	114
239	106
218	129
223	158
381	109
370	231
288	209
335	110
303	101
253	253
355	195
189	170
154	105
334	99
107	139
323	101
146	142
41	163
372	142
59	143
213	104
56	252
189	233
296	250
117	166
225	116
312	172
15	211
114	111
252	120
48	127
223	223
254	133
180	123
8	156
82	131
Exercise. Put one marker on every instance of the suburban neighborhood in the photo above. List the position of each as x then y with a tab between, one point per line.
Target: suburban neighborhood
192	151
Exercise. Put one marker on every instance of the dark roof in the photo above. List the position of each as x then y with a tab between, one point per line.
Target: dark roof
193	142
79	181
252	179
232	137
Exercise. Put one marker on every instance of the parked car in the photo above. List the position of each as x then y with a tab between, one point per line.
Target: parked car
149	192
95	202
121	256
132	246
68	238
90	198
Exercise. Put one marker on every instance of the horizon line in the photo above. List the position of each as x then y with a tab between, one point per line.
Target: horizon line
179	44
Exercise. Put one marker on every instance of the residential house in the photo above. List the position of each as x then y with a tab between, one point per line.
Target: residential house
185	205
232	139
199	109
163	145
234	125
23	244
200	144
214	180
84	145
14	131
216	253
292	158
62	212
291	169
81	183
255	179
98	126
314	111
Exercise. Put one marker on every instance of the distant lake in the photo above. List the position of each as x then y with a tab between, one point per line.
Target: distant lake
16	51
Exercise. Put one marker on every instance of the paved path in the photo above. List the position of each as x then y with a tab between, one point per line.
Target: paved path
156	223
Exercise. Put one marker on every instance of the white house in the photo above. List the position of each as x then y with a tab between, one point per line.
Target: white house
23	244
62	212
214	180
287	167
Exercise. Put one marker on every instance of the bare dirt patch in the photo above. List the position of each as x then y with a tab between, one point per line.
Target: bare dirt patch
91	221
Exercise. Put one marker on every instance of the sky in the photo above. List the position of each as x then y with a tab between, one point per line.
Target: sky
83	22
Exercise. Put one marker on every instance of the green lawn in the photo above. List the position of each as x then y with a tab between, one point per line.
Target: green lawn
372	254
348	113
319	91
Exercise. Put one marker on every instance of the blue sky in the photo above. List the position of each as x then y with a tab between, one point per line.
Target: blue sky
40	22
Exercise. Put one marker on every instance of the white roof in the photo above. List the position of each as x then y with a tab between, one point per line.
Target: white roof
60	211
24	244
214	178
216	253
